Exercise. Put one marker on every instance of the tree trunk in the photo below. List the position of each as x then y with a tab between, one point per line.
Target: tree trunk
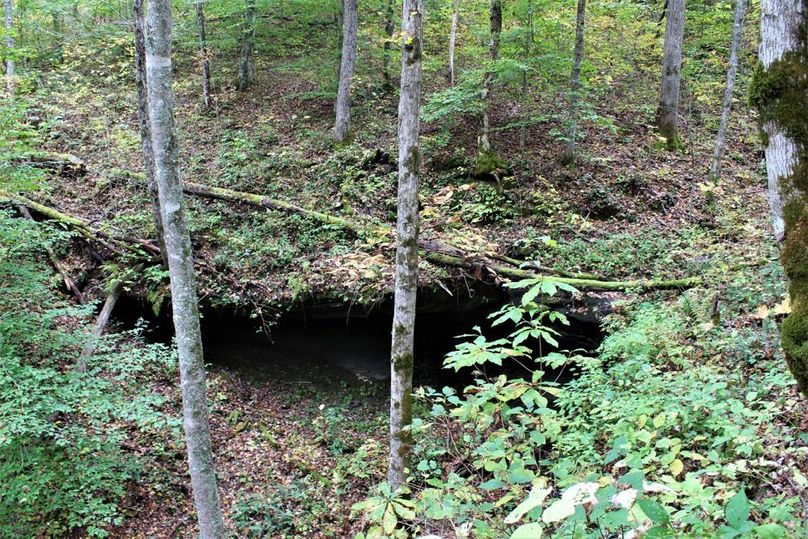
575	83
668	110
100	325
9	48
181	270
246	70
143	117
780	92
453	41
721	139
406	285
388	44
350	15
207	102
496	31
528	53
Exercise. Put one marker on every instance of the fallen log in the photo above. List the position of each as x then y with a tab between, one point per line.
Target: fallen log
439	253
581	284
113	242
432	251
99	326
59	163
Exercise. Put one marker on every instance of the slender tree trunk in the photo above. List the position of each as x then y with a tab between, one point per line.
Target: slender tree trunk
575	83
246	70
388	44
9	48
668	110
99	326
721	139
780	92
207	102
453	41
143	117
406	287
496	31
528	53
350	16
181	270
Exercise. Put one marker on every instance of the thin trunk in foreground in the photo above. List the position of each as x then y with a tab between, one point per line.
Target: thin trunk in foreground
181	270
575	83
100	326
453	40
668	110
525	86
143	117
246	69
496	31
9	48
207	102
409	160
388	44
780	93
350	16
721	139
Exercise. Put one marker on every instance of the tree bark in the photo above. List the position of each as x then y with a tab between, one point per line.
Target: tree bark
207	99
406	283
10	47
99	326
575	83
453	40
721	138
388	44
668	111
181	270
779	90
143	118
246	70
493	50
350	16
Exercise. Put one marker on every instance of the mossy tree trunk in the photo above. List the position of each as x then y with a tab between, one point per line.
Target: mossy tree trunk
181	270
575	83
350	22
780	92
721	138
668	110
143	117
406	285
207	98
488	82
246	69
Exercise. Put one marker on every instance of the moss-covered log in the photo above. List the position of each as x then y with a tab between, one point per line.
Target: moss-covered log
434	251
582	284
115	243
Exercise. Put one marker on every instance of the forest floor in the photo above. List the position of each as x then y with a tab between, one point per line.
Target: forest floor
627	209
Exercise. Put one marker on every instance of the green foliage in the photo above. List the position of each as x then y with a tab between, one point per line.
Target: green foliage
662	432
61	461
647	253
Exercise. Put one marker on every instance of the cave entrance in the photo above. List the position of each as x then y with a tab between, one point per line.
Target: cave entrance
331	345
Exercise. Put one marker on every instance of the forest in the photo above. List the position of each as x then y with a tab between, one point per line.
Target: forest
436	269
